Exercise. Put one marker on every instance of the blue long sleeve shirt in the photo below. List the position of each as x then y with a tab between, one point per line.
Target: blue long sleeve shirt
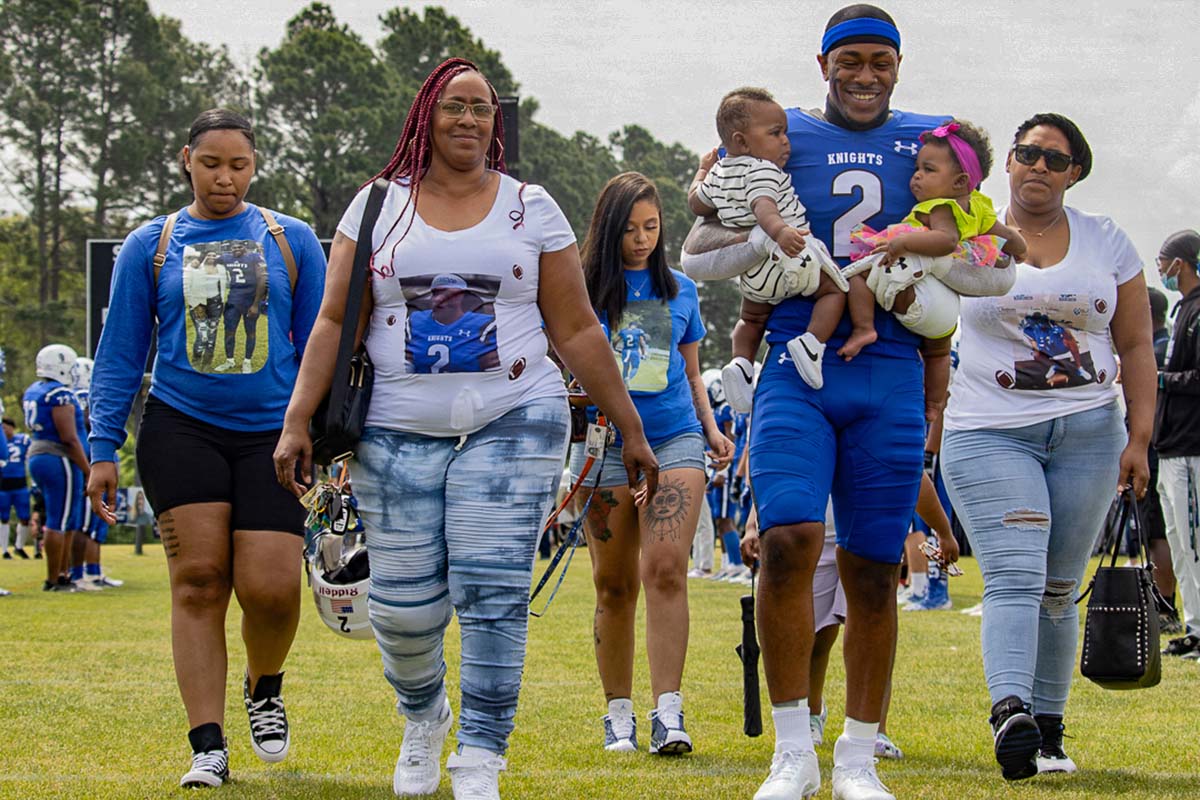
195	320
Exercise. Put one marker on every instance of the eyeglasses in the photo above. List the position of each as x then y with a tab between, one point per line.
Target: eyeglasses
1028	155
455	109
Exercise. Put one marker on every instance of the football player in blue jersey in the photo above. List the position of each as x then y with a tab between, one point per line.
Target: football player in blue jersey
862	436
57	462
631	342
246	274
449	337
85	549
14	489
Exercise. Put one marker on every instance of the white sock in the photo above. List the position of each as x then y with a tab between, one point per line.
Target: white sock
856	746
4	537
792	731
620	707
664	700
22	534
919	583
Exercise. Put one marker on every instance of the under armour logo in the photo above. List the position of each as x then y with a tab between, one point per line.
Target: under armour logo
911	148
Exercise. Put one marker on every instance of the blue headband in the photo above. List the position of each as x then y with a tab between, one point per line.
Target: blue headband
858	29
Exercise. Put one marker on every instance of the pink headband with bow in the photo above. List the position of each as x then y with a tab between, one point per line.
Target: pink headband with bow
962	151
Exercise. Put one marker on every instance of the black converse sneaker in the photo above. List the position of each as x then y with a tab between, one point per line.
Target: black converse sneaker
269	735
1051	757
210	758
1016	737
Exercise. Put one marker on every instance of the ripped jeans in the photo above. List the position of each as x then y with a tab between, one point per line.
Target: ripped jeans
1033	501
454	523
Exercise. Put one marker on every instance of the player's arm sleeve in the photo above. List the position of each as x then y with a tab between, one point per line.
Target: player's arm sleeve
1186	380
124	344
310	283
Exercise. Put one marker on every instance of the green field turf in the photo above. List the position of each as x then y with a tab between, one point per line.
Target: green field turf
89	708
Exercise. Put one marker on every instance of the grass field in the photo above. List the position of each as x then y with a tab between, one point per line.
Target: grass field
89	708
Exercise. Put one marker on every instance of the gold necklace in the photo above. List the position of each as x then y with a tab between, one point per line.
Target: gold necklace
1040	233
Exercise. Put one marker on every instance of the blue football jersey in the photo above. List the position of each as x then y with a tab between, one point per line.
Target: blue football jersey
18	450
632	338
40	398
458	346
845	179
242	272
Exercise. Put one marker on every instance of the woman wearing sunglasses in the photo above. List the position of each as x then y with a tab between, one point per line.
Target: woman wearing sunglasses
473	272
1035	445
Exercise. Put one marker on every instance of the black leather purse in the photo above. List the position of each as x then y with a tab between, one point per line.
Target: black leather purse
338	422
1120	635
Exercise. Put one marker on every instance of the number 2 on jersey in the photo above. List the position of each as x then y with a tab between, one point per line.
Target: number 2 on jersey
869	204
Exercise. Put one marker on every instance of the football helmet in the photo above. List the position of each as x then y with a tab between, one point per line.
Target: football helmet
81	375
714	385
339	572
56	361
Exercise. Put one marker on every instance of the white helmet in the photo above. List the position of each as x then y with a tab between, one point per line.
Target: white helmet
55	361
339	574
714	385
81	375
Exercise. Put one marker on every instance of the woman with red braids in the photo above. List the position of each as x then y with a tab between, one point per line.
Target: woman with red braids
472	272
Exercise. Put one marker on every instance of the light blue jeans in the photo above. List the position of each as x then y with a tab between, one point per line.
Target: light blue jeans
455	523
1032	501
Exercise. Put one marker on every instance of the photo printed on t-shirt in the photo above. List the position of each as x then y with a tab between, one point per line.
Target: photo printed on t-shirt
1056	352
225	296
642	345
451	323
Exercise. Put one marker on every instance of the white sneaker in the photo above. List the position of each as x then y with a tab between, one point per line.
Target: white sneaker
475	774
794	774
859	783
247	366
816	724
620	727
84	585
667	736
226	365
974	611
699	573
736	573
418	767
104	580
886	748
737	378
806	351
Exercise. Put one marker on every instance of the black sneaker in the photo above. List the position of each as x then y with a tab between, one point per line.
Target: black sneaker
1183	647
269	735
7	556
57	586
210	758
1051	757
21	553
1016	738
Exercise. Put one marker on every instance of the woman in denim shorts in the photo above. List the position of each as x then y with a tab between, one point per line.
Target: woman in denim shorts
652	315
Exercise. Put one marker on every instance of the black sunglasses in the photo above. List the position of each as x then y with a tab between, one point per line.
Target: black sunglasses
1029	154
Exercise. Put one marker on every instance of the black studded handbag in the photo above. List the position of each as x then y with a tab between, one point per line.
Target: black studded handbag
338	422
1120	634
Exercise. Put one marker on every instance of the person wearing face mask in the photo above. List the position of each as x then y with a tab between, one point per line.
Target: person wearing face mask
1177	432
1035	445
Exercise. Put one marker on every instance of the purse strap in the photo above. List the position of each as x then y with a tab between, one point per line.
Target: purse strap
354	295
1128	511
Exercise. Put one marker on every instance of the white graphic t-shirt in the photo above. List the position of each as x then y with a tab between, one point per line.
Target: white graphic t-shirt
456	335
1044	349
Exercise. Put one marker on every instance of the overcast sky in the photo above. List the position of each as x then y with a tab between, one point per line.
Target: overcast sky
1127	72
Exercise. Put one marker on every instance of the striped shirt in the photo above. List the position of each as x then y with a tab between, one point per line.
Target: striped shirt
735	182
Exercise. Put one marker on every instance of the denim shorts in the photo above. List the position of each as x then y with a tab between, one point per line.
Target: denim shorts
682	452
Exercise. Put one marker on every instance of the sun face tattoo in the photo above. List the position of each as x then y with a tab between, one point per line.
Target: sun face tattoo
665	515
